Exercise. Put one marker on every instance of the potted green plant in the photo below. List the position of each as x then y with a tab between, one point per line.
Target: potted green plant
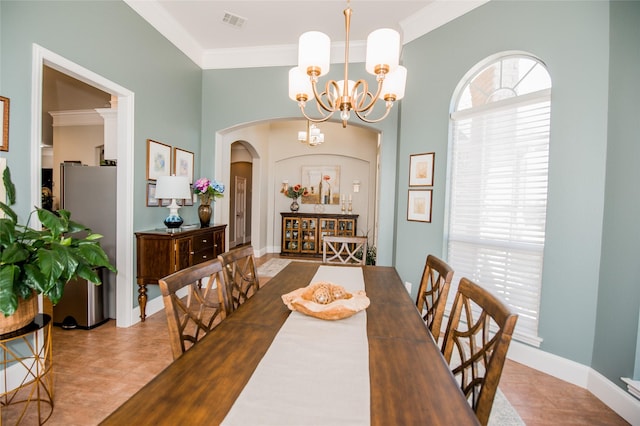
42	261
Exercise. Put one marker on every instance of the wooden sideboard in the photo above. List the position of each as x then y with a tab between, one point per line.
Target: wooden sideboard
160	253
302	232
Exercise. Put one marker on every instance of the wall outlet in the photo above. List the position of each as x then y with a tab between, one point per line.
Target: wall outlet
408	286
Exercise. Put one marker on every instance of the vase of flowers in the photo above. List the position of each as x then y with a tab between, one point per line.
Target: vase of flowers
294	192
207	190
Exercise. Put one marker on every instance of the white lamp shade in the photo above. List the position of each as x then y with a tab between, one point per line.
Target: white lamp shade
173	187
350	84
383	48
299	84
314	51
394	83
313	130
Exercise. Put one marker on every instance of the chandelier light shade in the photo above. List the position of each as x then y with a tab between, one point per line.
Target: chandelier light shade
394	84
312	136
299	85
383	50
173	188
382	60
314	51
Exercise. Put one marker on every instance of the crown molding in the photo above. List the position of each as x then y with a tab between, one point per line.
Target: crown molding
432	16
164	23
435	15
84	117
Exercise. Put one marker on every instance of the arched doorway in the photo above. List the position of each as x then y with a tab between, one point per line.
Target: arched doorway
268	143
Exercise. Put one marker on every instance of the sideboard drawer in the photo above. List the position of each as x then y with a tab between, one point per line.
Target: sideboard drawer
203	242
203	256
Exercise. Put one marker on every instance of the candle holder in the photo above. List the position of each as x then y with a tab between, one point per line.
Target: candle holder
343	207
350	209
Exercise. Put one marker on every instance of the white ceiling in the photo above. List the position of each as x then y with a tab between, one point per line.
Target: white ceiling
270	33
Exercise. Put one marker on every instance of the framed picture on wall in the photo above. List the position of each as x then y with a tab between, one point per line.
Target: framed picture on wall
322	183
152	201
421	169
419	205
158	159
183	163
4	123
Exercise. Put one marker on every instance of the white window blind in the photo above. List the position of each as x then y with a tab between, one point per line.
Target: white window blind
498	198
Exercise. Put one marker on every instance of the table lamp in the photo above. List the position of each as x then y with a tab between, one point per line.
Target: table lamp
173	187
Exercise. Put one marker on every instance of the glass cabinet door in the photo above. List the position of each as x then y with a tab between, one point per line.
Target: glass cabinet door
291	235
308	232
328	227
346	227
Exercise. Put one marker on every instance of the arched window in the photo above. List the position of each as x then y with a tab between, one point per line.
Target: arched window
497	192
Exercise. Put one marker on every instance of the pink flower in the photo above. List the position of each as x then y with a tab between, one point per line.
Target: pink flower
202	184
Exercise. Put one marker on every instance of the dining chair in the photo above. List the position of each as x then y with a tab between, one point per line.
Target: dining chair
344	250
241	275
479	329
190	317
433	292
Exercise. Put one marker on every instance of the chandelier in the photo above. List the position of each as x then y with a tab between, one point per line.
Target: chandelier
382	60
312	136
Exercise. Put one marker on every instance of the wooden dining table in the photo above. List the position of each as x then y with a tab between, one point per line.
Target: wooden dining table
410	383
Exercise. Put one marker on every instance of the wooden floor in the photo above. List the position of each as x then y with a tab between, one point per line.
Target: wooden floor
97	370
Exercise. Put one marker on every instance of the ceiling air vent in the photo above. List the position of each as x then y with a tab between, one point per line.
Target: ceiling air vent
234	20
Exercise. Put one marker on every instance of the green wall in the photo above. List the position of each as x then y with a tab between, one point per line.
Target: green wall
110	39
236	96
615	354
572	39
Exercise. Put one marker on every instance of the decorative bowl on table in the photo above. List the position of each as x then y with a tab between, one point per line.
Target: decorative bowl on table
326	301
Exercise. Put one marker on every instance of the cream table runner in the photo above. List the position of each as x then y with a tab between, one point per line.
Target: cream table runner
315	372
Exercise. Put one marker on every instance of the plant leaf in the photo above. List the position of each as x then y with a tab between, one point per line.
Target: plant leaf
95	255
52	265
7	232
14	253
9	187
73	227
55	224
89	274
9	212
8	299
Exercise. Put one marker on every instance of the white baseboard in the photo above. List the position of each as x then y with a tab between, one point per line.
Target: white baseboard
616	398
154	305
620	401
562	368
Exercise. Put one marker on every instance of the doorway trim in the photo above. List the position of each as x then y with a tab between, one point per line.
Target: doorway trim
125	161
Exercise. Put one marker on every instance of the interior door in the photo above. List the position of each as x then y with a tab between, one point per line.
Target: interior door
240	209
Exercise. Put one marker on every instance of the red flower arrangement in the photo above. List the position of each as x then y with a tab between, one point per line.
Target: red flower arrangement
295	191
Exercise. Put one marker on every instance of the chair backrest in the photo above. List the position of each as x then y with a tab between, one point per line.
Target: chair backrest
241	275
479	329
433	292
204	307
343	250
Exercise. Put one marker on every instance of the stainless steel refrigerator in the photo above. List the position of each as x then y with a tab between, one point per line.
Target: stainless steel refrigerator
89	193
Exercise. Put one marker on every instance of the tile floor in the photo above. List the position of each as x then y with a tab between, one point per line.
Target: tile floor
97	370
